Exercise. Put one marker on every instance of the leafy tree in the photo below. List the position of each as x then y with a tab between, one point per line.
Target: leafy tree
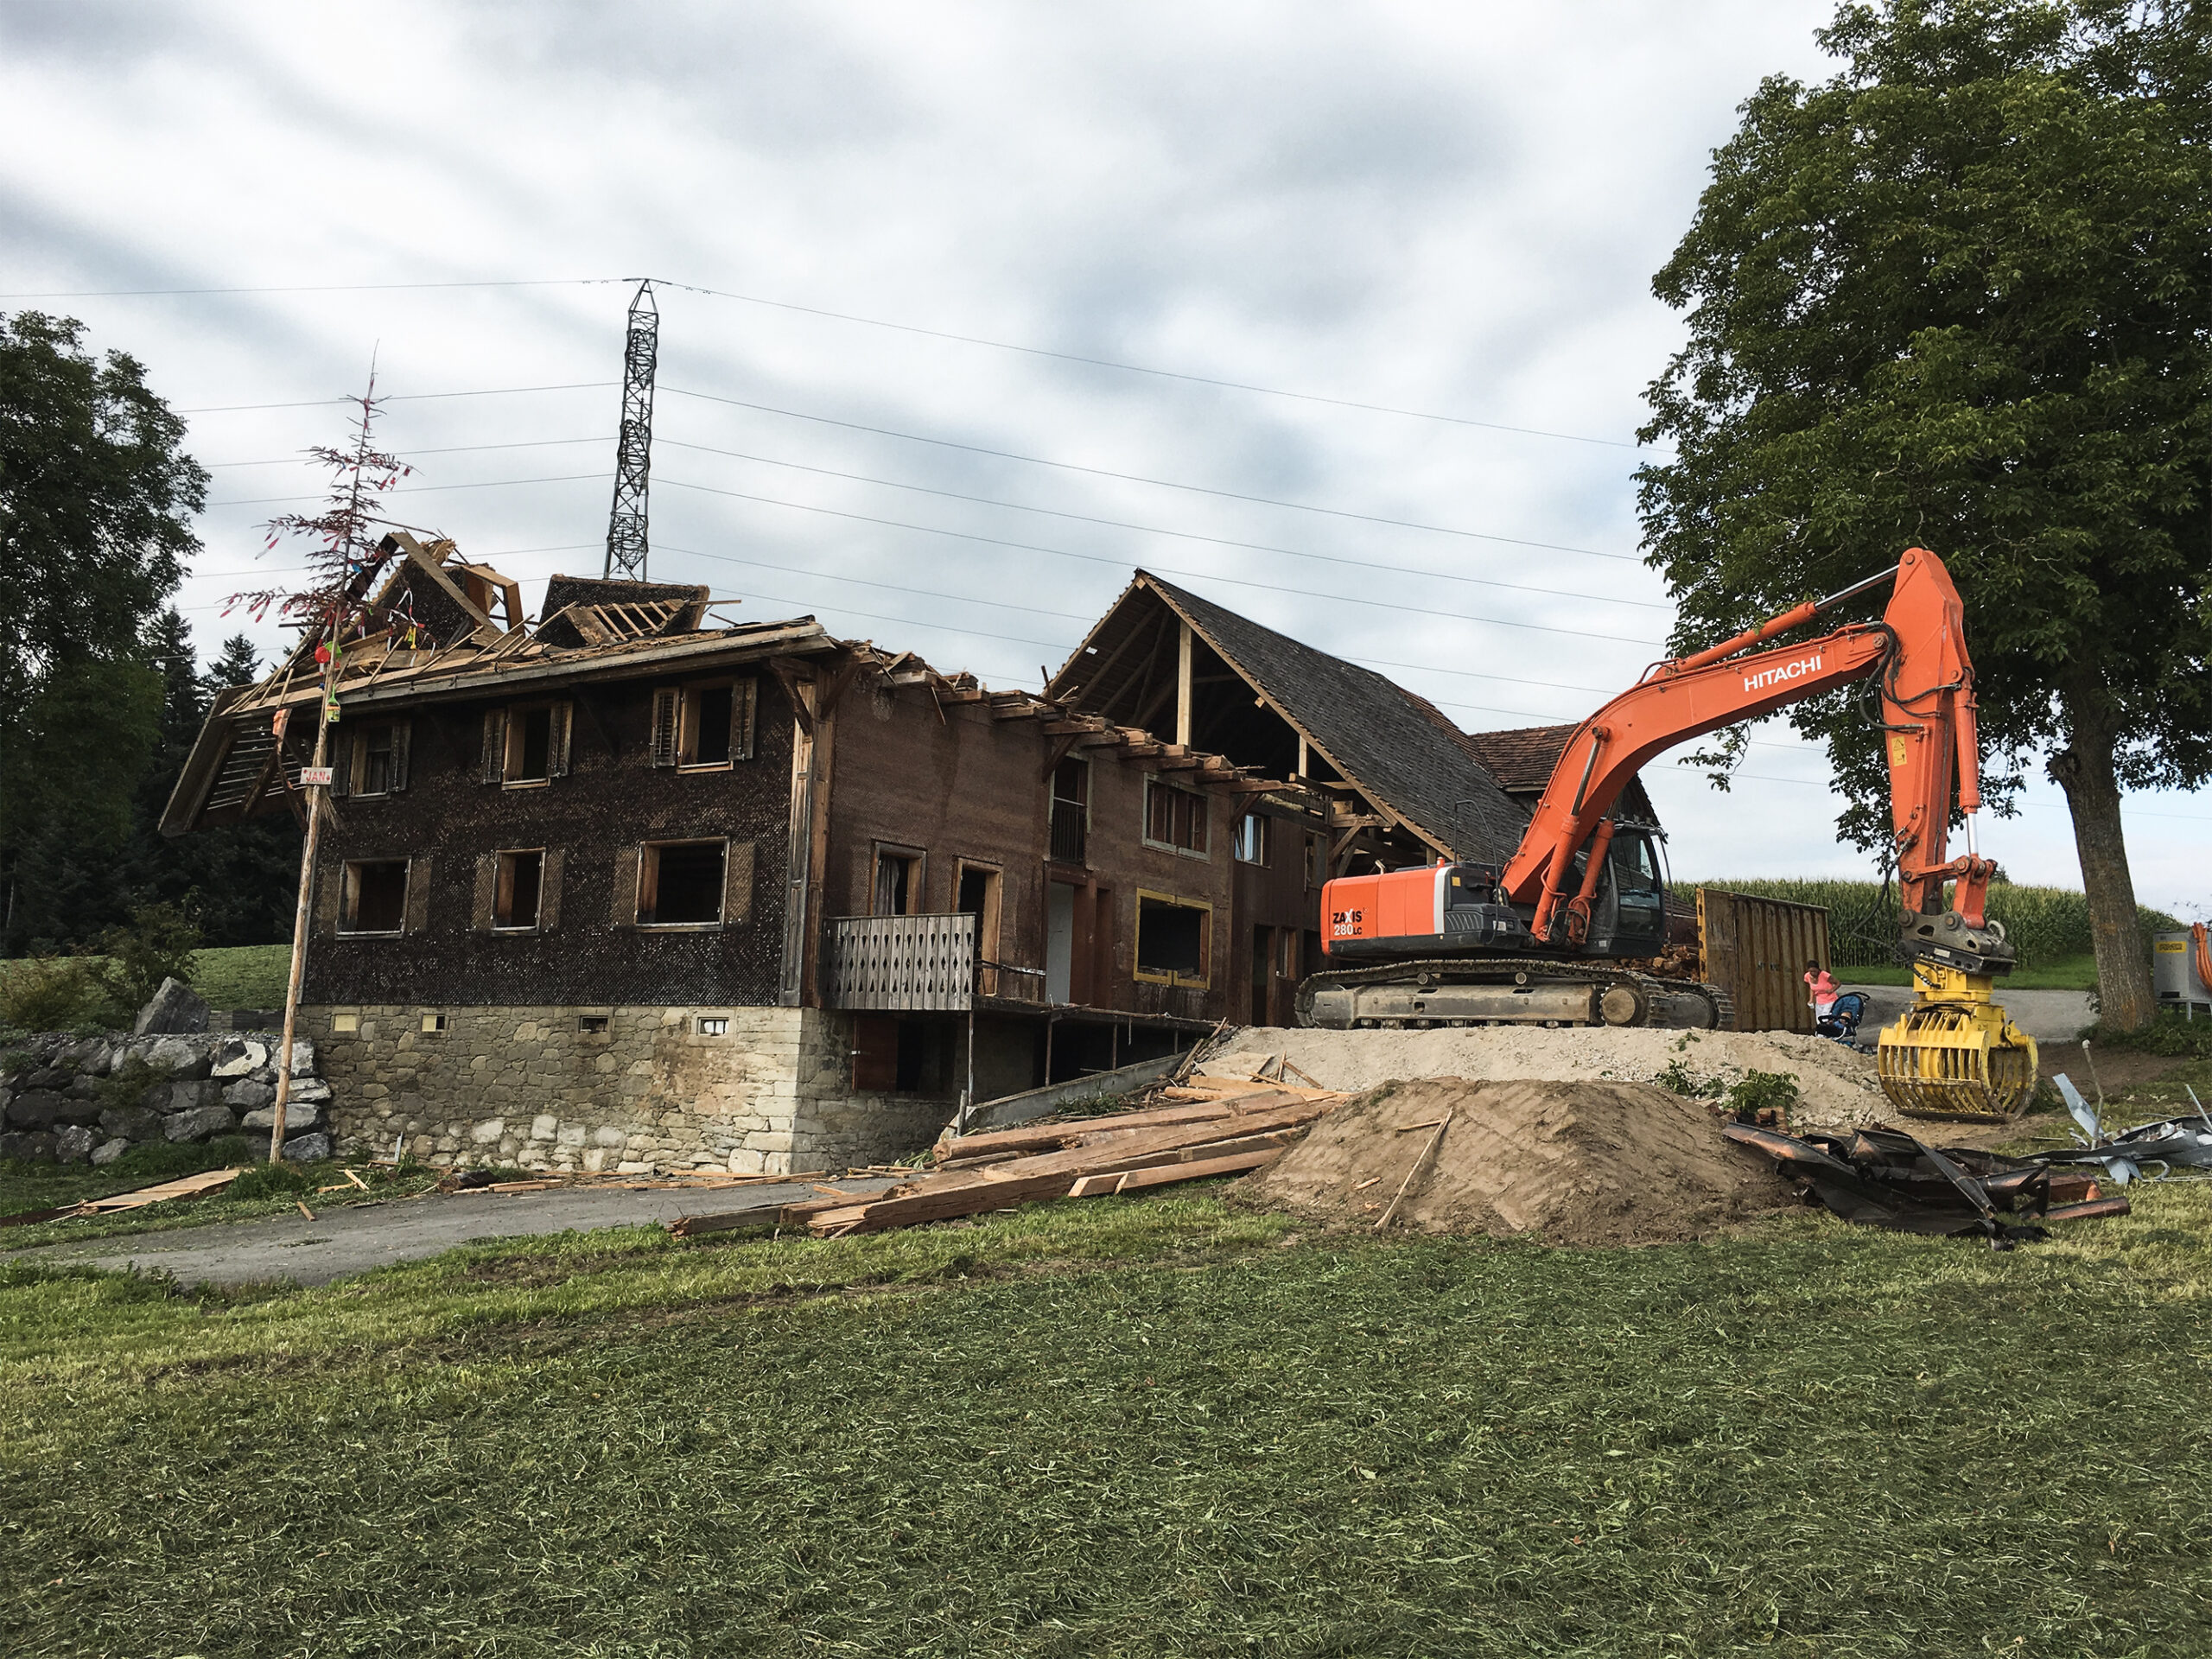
96	499
1961	295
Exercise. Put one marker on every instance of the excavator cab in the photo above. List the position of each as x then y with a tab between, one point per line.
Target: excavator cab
1639	882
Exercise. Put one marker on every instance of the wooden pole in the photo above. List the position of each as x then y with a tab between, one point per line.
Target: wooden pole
1402	1185
300	913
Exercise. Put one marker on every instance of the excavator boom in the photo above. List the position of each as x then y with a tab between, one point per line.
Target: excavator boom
1955	1053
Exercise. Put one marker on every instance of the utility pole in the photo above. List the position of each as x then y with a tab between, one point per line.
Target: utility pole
633	446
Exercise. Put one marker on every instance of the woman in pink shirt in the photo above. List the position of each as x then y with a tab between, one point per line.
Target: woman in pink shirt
1824	989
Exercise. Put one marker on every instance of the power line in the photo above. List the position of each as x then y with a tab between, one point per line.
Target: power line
401	398
421	489
1162	483
1164	374
451	449
838	317
1152	529
1190	575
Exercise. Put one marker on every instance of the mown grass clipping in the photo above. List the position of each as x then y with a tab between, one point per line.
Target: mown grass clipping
1129	1427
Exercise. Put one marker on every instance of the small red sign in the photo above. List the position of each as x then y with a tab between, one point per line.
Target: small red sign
316	775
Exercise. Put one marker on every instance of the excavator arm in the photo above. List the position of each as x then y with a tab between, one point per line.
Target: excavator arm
1955	1053
1919	651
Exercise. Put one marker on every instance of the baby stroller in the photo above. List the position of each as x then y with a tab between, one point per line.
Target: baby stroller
1841	1021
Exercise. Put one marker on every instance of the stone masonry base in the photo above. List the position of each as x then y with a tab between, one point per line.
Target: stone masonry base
627	1089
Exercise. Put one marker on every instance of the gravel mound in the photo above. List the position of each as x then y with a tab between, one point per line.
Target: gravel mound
1573	1163
1836	1086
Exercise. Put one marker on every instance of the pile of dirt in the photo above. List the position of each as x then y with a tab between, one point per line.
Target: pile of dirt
1836	1086
1588	1163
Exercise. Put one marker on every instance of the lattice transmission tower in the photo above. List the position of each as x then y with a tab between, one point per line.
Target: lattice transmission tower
633	446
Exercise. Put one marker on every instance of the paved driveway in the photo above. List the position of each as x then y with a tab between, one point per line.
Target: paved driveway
340	1242
2047	1016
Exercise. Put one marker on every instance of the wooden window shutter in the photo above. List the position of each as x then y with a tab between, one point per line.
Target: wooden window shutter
399	730
418	894
668	712
495	745
557	745
329	900
487	887
624	913
549	892
737	884
744	696
345	755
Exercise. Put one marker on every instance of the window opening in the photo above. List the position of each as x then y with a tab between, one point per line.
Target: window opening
898	882
1172	940
376	897
521	881
1175	817
591	1024
1071	810
433	1023
708	744
375	775
716	1025
1252	834
979	897
530	746
680	883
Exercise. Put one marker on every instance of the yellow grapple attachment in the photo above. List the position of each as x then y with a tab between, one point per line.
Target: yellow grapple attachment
1954	1053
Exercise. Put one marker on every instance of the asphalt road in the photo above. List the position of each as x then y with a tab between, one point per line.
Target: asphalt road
340	1242
2047	1016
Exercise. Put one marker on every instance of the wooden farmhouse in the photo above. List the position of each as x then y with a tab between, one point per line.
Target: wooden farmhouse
629	887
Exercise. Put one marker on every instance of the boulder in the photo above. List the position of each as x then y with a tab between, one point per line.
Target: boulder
81	1087
12	1143
130	1124
36	1148
310	1090
178	1057
236	1057
175	1007
108	1151
77	1109
49	1077
188	1097
249	1096
299	1116
74	1144
199	1123
306	1149
37	1109
91	1057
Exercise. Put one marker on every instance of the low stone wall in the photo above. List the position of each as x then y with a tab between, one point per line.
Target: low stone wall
91	1099
630	1088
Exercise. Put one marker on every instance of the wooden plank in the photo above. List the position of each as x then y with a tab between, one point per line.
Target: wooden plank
1164	1174
759	1215
188	1186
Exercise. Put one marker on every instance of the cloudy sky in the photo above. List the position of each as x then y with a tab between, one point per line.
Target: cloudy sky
1418	239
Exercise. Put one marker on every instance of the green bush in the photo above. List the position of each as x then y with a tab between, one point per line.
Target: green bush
159	944
2167	1033
1756	1091
2044	925
51	993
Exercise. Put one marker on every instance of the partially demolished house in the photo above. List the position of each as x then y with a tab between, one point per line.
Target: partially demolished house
631	887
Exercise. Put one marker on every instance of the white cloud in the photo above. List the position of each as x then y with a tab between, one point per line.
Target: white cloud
1452	209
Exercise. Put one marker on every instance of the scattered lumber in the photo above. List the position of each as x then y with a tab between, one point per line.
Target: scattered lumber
1162	1174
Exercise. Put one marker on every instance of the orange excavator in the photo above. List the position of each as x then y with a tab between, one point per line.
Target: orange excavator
1547	939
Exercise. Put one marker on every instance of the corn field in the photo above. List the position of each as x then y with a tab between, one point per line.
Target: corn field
2046	924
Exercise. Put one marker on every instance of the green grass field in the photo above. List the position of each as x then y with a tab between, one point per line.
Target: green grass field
2068	974
1158	1426
242	976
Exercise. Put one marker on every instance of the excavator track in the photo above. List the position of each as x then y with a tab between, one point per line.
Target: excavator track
1508	990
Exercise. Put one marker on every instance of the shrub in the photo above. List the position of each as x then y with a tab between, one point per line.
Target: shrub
50	993
1758	1091
271	1181
159	944
2167	1033
1679	1078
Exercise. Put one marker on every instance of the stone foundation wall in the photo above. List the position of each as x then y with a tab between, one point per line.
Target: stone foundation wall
624	1088
91	1099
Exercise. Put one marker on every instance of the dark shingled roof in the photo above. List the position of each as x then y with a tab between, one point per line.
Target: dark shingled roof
1521	760
1396	746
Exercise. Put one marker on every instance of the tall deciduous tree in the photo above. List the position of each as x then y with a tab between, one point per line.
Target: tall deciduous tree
1961	295
96	499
